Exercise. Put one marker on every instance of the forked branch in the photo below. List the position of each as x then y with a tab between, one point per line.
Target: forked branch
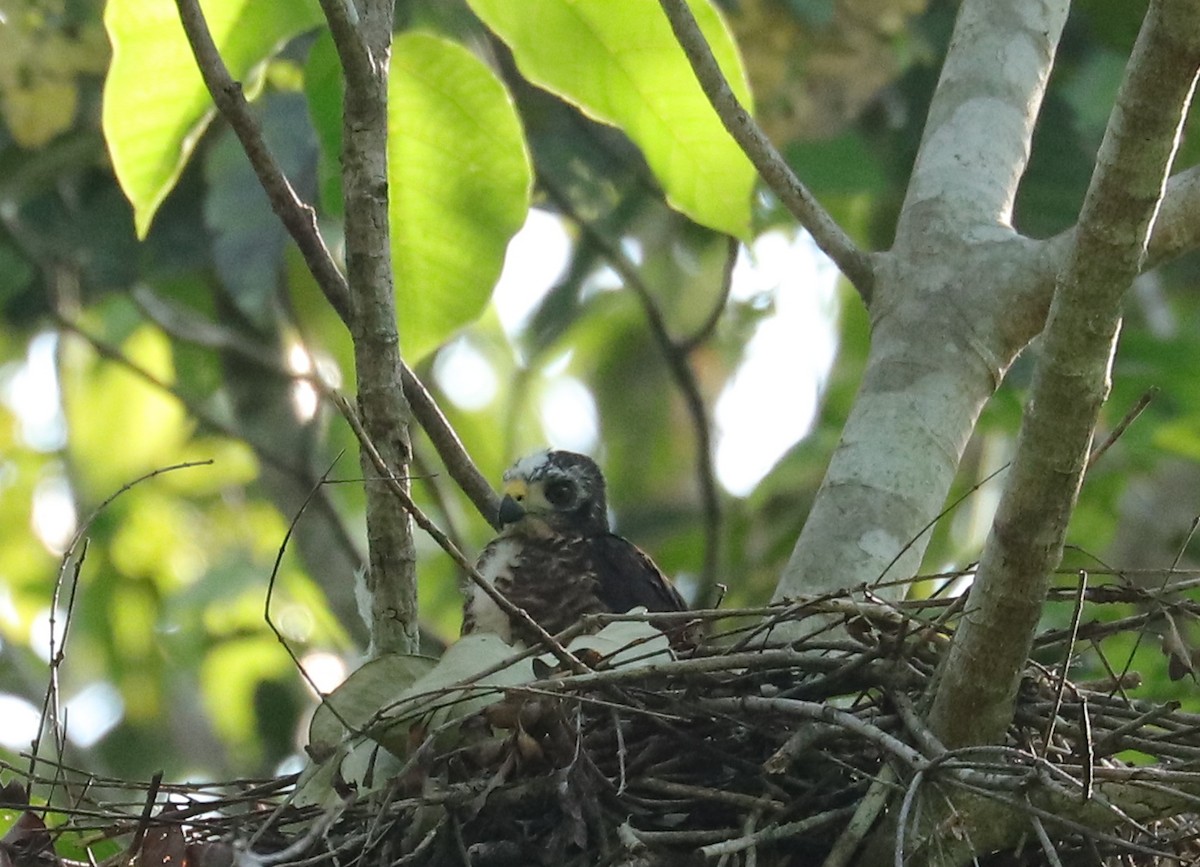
974	702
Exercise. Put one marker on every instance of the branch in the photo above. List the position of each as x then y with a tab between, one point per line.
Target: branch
363	47
976	141
298	218
1176	230
288	466
344	23
771	166
974	703
197	411
450	448
706	328
382	406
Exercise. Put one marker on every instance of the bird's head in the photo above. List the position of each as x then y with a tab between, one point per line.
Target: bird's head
554	493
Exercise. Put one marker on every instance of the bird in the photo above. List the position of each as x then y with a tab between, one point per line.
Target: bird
556	555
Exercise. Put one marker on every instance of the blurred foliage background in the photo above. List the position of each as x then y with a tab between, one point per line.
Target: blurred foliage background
120	357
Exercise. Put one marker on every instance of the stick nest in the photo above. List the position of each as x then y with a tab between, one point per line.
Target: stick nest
748	749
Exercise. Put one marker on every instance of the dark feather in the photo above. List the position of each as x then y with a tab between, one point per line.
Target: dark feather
628	578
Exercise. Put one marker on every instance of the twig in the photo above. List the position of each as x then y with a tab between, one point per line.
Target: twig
429	481
184	325
450	448
910	797
917	729
271	593
135	845
776	832
194	409
51	711
705	330
771	166
707	793
1117	432
1047	846
933	522
1087	748
69	558
1061	686
865	814
824	713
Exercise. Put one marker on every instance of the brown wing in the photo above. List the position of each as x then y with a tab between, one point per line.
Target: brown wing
628	578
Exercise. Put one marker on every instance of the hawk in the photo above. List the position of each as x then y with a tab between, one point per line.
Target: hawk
556	556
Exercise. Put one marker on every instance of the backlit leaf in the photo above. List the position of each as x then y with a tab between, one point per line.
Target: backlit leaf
618	61
155	102
460	179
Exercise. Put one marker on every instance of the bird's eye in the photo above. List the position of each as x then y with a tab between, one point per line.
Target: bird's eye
559	493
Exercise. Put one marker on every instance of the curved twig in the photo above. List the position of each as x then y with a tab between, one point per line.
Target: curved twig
709	325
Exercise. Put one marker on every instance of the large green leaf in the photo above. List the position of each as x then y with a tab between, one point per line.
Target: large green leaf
155	102
618	61
460	180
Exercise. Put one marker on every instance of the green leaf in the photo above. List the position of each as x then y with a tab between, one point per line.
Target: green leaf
460	179
155	102
618	61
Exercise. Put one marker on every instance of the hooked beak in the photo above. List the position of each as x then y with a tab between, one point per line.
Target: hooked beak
510	511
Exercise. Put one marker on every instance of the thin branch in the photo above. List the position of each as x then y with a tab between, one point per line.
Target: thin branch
269	453
450	448
429	479
681	371
774	833
1060	687
1176	229
811	710
186	325
270	594
1123	425
297	216
194	409
771	166
57	651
